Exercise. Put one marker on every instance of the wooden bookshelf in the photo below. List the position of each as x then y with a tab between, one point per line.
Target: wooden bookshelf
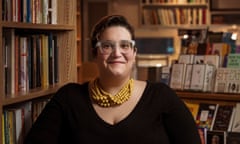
65	31
174	14
212	97
79	39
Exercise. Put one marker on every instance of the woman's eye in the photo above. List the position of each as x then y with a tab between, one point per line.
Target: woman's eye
106	46
125	46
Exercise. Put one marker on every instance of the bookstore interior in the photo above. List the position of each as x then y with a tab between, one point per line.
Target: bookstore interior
191	45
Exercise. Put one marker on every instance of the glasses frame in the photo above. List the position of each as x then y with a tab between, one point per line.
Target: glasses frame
99	45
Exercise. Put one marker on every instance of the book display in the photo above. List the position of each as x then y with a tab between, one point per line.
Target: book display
207	69
38	55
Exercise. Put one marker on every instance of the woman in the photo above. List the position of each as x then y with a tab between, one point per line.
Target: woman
114	108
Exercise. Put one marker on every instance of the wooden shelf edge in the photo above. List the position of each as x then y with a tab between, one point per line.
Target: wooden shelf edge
209	96
152	5
21	97
37	26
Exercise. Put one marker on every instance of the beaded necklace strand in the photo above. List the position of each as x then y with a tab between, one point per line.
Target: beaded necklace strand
105	99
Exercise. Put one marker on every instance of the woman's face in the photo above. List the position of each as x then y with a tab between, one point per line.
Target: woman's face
118	62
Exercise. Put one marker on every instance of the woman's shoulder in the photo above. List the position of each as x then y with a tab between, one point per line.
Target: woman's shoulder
73	85
72	89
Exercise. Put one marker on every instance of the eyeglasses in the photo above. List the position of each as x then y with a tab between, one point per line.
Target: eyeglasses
107	47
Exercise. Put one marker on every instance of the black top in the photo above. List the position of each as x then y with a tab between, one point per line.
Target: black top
160	117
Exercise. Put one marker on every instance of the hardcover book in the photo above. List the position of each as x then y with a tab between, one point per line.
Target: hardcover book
197	80
188	77
216	137
223	118
233	60
227	80
165	74
202	77
177	76
212	60
236	119
186	58
233	138
206	115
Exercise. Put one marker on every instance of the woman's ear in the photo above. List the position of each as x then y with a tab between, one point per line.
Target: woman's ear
135	49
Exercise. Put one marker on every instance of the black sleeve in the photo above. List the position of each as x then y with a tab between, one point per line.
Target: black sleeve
49	126
179	122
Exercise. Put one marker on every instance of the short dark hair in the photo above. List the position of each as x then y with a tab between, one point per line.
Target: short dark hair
106	22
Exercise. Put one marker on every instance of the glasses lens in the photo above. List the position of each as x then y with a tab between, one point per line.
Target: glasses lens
107	47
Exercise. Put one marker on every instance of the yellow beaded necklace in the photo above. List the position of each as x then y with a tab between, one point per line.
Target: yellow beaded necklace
105	99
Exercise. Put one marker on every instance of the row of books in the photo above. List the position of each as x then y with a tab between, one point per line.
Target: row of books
30	11
203	77
30	61
222	120
17	121
219	137
203	73
175	16
173	1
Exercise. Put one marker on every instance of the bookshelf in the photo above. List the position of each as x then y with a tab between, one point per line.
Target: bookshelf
180	13
209	97
61	25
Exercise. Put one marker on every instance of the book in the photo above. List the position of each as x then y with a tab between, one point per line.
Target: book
165	72
212	60
186	58
206	115
187	77
233	60
221	49
227	80
236	119
223	118
216	137
202	77
177	76
233	138
209	78
198	59
203	135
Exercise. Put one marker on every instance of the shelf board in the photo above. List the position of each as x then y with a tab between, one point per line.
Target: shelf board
36	93
187	5
175	26
209	96
37	26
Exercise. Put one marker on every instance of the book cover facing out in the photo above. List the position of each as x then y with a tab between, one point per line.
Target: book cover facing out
233	138
216	137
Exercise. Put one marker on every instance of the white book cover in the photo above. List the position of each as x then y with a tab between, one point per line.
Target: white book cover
19	118
212	60
188	77
236	119
186	58
209	78
198	59
198	76
177	76
23	86
221	80
233	82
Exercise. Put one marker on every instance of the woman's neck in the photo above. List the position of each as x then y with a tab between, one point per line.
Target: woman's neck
112	85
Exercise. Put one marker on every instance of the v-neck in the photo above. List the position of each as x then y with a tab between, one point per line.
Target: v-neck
126	119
